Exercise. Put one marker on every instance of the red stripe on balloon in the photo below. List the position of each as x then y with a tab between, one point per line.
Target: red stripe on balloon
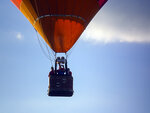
17	3
101	3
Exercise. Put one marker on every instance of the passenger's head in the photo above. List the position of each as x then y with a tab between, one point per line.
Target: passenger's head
62	58
52	69
58	58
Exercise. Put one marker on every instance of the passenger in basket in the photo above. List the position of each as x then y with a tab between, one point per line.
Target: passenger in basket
52	72
69	72
61	70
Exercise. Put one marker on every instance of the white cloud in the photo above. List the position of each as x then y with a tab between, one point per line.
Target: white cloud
107	34
19	36
110	27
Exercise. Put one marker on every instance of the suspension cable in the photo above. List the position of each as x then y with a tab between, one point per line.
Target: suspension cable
48	56
49	51
68	54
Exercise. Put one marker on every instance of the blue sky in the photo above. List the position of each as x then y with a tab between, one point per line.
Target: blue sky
110	63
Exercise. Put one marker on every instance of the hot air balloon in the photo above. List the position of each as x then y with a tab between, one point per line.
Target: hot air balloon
60	23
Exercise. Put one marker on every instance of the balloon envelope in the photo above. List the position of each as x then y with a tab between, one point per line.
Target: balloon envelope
59	22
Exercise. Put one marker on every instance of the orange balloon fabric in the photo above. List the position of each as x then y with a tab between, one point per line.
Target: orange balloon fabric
59	22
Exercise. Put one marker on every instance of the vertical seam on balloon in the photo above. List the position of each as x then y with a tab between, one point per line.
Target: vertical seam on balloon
28	11
39	22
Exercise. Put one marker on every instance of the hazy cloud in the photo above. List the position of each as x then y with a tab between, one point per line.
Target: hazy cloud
120	23
19	36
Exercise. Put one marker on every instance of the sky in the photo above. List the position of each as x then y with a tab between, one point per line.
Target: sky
110	63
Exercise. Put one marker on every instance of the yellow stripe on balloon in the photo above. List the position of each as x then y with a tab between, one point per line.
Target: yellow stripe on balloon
28	11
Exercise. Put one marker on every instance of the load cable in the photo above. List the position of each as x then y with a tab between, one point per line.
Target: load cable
47	54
